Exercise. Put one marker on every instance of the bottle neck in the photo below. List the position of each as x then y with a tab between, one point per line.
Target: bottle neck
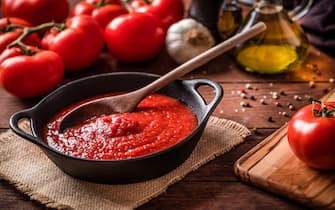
230	2
269	2
269	6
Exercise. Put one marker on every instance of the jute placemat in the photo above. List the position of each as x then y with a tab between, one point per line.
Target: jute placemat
26	167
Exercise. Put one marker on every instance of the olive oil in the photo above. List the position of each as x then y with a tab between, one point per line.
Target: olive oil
282	47
229	19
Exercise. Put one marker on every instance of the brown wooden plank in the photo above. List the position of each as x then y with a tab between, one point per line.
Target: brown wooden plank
257	114
217	195
183	195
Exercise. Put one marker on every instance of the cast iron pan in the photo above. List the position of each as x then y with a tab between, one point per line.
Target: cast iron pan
117	171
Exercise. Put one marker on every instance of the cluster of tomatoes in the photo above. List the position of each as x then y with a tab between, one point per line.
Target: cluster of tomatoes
42	39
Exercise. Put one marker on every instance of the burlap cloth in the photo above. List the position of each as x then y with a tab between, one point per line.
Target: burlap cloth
26	167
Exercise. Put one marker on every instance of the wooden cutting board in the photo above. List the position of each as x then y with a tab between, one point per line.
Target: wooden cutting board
272	166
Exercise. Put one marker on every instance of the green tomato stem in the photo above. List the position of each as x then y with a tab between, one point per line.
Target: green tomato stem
10	26
29	30
126	5
101	3
325	111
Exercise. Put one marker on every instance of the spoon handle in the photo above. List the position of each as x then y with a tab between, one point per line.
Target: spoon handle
204	57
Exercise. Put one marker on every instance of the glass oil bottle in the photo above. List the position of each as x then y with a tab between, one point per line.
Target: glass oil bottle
229	18
282	47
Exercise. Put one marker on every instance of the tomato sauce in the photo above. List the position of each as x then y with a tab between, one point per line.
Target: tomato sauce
157	123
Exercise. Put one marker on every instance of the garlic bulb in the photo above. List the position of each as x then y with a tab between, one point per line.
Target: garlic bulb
187	39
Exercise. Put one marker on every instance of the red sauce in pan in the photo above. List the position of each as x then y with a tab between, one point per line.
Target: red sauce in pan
158	123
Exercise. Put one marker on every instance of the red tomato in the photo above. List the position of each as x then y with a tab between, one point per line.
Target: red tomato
103	12
311	136
134	37
28	76
79	44
36	11
9	32
168	11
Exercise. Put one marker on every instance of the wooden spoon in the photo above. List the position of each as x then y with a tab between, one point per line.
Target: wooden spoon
128	102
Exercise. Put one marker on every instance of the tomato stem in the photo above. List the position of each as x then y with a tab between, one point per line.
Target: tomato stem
10	26
29	30
325	110
126	5
100	3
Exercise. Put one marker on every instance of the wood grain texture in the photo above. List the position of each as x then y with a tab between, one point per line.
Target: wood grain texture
271	165
213	186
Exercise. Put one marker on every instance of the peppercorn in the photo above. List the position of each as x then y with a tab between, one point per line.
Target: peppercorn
270	119
243	95
248	86
291	107
244	104
311	84
282	93
285	114
298	98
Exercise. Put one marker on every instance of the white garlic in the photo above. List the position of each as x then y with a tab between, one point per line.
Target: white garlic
187	39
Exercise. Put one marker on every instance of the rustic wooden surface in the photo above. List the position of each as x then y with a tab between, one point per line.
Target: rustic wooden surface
272	166
213	186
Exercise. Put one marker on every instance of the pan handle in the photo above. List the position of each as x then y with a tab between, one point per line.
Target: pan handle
14	125
195	84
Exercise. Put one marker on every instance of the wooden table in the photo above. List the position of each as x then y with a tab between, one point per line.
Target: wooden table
213	186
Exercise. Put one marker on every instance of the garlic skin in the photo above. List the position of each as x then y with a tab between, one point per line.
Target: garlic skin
187	39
